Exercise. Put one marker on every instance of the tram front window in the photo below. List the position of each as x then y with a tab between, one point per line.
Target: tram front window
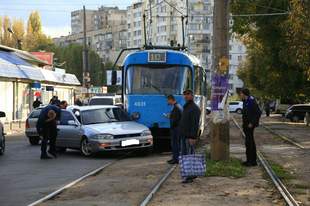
158	80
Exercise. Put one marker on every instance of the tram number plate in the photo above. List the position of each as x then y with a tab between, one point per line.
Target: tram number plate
157	57
130	142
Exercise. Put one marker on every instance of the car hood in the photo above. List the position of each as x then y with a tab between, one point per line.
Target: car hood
116	128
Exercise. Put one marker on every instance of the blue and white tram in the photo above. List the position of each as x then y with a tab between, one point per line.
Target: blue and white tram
150	75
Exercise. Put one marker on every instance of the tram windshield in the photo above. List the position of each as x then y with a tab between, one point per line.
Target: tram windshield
146	79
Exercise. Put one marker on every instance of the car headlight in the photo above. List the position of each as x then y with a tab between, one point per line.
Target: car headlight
146	133
103	137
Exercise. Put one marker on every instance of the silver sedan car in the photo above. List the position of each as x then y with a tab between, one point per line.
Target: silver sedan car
92	129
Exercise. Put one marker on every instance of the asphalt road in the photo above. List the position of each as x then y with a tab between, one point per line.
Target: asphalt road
24	178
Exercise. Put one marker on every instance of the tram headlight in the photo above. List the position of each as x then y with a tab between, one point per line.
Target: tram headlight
135	115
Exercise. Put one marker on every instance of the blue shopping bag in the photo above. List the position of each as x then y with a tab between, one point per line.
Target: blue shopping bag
192	165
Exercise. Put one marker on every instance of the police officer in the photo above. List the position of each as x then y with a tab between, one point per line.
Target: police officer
175	117
189	127
47	128
250	118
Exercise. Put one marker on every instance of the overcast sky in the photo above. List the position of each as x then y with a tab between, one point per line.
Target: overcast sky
55	14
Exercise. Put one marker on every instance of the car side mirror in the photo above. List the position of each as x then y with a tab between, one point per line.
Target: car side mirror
114	77
2	114
73	123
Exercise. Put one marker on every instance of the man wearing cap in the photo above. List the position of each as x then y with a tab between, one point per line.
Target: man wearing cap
189	127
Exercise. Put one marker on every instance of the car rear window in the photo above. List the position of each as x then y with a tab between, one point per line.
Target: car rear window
101	101
233	103
35	113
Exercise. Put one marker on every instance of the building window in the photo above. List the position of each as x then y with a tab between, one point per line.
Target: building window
239	58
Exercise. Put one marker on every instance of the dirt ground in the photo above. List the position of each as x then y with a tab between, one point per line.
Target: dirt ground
292	159
251	190
124	183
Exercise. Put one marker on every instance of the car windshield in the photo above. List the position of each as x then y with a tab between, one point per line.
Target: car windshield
158	80
101	101
105	115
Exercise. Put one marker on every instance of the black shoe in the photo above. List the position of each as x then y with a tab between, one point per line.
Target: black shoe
187	180
169	161
45	157
52	153
249	164
173	162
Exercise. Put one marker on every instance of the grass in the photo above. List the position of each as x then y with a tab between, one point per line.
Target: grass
282	173
231	168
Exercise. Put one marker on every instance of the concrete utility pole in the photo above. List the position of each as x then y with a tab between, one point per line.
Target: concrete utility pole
86	77
220	122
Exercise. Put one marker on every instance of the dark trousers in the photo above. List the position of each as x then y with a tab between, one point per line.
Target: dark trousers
250	144
48	134
175	143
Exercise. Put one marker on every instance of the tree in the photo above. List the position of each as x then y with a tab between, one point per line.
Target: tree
270	69
6	35
72	55
19	31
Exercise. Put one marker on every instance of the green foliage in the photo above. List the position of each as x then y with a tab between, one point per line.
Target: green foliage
276	67
72	56
231	168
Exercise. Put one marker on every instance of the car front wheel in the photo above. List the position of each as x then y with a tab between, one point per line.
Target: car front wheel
86	147
2	147
34	140
239	111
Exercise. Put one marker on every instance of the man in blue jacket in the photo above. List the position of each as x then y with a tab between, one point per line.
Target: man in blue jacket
250	119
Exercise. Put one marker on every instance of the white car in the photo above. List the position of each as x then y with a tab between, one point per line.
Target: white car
235	106
93	129
105	100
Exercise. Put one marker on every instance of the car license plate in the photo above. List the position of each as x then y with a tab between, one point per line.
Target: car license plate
130	142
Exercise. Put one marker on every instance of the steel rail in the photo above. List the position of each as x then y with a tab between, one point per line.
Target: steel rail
74	182
285	138
157	186
287	196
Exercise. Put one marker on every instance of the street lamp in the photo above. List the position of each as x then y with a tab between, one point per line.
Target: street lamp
19	42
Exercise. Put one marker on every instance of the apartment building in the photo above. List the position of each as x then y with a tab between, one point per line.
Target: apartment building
237	54
106	31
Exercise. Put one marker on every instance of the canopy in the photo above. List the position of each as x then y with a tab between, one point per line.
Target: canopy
13	66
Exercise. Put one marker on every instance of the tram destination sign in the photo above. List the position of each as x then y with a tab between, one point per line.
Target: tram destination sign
157	57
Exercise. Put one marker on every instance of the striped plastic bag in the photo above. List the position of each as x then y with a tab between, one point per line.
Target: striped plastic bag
192	165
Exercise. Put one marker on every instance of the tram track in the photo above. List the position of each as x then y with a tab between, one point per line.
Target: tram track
287	196
285	138
74	182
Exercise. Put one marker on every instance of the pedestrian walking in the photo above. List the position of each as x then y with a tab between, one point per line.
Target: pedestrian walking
36	103
267	108
47	128
175	117
189	127
78	102
250	119
55	101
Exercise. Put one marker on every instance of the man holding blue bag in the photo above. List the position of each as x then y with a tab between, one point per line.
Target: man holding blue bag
190	165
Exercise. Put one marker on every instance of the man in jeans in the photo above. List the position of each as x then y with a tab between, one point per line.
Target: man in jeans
250	118
175	117
189	127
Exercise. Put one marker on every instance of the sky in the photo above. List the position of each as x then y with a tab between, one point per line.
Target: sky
55	14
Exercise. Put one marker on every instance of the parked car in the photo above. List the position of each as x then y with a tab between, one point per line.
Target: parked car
235	106
2	135
297	112
92	129
105	100
31	130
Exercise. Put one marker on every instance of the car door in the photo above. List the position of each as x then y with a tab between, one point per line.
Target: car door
68	135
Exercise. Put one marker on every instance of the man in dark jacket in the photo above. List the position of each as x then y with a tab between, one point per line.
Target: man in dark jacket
250	119
47	128
36	103
175	117
189	127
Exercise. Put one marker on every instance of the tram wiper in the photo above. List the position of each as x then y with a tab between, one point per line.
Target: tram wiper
159	90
